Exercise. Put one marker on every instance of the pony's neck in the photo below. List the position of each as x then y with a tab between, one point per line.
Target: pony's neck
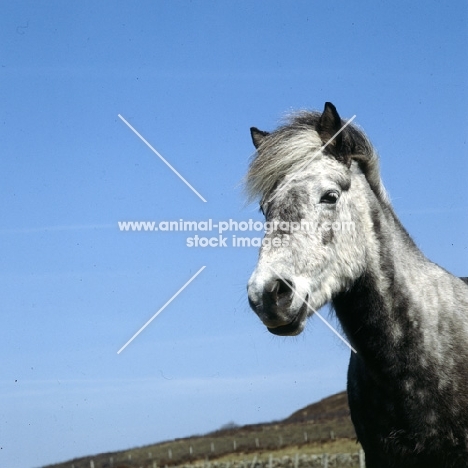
382	305
406	318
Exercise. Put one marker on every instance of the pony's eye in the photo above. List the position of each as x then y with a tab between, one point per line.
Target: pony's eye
330	197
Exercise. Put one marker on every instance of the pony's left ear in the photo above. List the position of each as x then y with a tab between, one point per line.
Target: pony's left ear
257	136
328	125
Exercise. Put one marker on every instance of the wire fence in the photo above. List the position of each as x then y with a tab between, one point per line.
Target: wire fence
324	460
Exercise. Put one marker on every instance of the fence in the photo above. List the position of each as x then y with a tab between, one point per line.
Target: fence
324	460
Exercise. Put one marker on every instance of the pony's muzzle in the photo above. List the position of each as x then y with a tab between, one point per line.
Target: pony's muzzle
272	301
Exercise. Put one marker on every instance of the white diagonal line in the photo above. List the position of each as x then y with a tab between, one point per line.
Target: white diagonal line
314	311
161	309
162	159
306	163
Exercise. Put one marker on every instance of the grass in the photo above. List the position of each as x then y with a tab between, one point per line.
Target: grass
314	448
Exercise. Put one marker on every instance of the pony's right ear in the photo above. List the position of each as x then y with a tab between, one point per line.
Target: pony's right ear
328	127
329	124
257	136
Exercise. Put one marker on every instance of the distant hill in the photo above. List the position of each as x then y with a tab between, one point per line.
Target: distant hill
332	407
324	420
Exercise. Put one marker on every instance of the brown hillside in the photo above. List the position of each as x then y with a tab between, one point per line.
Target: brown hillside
332	407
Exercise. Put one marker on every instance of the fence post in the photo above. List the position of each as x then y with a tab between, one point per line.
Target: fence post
111	461
254	461
325	460
296	460
270	461
234	445
169	453
257	442
305	436
155	464
212	447
362	459
91	464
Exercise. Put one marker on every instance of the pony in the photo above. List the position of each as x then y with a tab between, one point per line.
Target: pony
333	237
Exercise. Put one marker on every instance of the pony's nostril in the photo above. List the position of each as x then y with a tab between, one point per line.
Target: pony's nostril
285	287
280	290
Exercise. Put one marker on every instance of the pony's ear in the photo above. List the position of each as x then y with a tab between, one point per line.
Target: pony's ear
328	125
257	136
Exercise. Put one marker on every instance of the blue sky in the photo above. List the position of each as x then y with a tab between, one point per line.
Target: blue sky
191	77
